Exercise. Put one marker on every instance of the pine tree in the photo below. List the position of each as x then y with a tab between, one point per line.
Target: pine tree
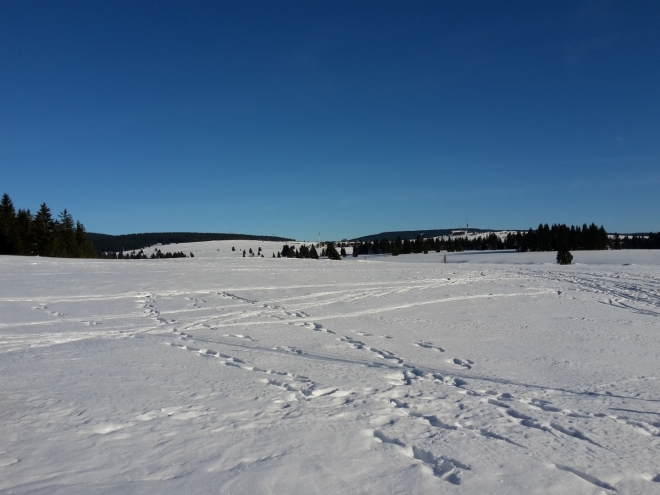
44	230
564	256
8	241
332	252
67	245
312	253
24	233
83	245
342	252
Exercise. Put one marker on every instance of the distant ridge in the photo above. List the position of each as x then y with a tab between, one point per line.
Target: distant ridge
129	242
412	234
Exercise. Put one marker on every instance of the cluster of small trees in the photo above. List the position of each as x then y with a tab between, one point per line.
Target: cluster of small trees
544	238
157	254
252	254
23	233
302	252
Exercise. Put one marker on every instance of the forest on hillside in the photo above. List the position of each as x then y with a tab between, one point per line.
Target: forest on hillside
105	243
544	238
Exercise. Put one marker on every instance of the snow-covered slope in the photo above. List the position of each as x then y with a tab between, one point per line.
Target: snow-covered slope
493	373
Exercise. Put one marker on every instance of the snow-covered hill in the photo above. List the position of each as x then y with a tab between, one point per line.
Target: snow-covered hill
493	373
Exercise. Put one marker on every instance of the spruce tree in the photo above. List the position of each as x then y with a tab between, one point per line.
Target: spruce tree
83	245
24	233
564	256
332	252
68	247
8	241
44	230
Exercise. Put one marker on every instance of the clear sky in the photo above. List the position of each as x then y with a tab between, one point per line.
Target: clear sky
344	117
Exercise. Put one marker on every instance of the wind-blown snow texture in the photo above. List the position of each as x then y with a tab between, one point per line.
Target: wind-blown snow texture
494	373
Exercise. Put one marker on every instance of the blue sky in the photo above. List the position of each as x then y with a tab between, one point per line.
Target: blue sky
348	118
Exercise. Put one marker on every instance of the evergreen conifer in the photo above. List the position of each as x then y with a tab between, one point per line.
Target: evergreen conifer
7	224
564	256
332	252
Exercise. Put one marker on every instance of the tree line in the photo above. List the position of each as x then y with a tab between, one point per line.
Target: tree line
559	237
39	234
157	254
310	252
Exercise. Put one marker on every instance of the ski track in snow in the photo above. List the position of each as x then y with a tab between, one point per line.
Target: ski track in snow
416	403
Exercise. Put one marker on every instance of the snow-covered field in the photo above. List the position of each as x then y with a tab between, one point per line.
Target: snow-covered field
495	373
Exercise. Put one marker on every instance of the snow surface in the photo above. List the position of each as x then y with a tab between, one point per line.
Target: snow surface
495	373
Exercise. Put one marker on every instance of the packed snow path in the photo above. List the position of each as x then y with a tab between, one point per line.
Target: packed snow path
223	374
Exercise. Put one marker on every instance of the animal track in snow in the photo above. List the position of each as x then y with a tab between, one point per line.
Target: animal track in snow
6	460
297	314
429	345
445	468
240	336
646	428
385	439
467	363
317	327
289	349
586	477
438	423
175	412
528	421
227	295
287	381
386	355
54	313
358	344
572	432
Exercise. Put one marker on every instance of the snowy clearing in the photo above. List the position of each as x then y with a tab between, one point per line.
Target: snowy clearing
499	373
